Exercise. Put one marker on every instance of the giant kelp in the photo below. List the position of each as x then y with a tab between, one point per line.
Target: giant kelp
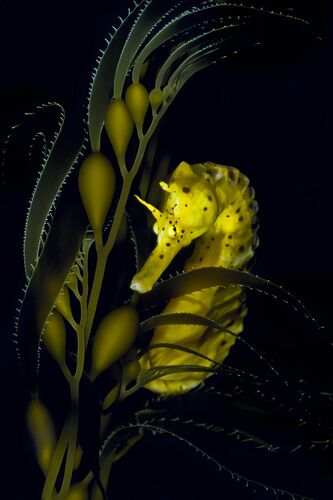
99	349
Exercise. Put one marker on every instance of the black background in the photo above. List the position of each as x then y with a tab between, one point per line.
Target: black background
271	116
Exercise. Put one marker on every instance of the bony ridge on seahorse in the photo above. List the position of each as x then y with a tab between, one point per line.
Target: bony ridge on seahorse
213	205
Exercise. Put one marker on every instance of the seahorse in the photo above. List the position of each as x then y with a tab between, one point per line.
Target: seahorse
215	206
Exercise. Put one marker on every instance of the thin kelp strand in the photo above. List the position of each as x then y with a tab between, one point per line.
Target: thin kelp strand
174	28
174	15
261	396
202	58
203	61
178	347
188	318
146	183
154	429
199	279
103	74
262	10
195	319
226	369
211	55
200	54
188	46
231	433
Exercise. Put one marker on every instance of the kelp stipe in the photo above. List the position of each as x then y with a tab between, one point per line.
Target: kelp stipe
101	354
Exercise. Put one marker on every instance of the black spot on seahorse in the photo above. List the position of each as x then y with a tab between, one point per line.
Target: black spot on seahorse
186	189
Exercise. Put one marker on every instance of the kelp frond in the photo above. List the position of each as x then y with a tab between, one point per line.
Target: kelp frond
199	279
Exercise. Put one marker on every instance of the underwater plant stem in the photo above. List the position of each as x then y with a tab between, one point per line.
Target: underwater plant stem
102	255
98	240
125	190
75	386
73	420
72	439
55	465
95	290
105	472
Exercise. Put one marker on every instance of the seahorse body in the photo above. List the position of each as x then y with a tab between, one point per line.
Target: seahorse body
228	241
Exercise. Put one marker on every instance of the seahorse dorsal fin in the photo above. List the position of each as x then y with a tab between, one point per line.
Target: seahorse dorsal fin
155	211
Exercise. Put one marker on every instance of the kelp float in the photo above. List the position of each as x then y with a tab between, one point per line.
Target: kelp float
89	311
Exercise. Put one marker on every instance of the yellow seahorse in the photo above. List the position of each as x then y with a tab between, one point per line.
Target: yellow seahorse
214	205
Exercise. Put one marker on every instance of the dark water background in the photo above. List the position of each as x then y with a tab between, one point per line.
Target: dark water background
269	114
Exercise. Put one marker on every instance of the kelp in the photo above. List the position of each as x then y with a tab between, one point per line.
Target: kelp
191	281
73	319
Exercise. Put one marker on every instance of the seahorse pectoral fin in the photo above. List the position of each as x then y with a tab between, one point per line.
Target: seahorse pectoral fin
155	211
155	265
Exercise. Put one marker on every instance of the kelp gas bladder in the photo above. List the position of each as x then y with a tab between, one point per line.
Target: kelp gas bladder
81	303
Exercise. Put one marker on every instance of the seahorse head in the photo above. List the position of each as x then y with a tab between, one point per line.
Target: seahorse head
189	210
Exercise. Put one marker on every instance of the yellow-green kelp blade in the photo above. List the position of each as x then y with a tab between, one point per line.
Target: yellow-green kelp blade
207	277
